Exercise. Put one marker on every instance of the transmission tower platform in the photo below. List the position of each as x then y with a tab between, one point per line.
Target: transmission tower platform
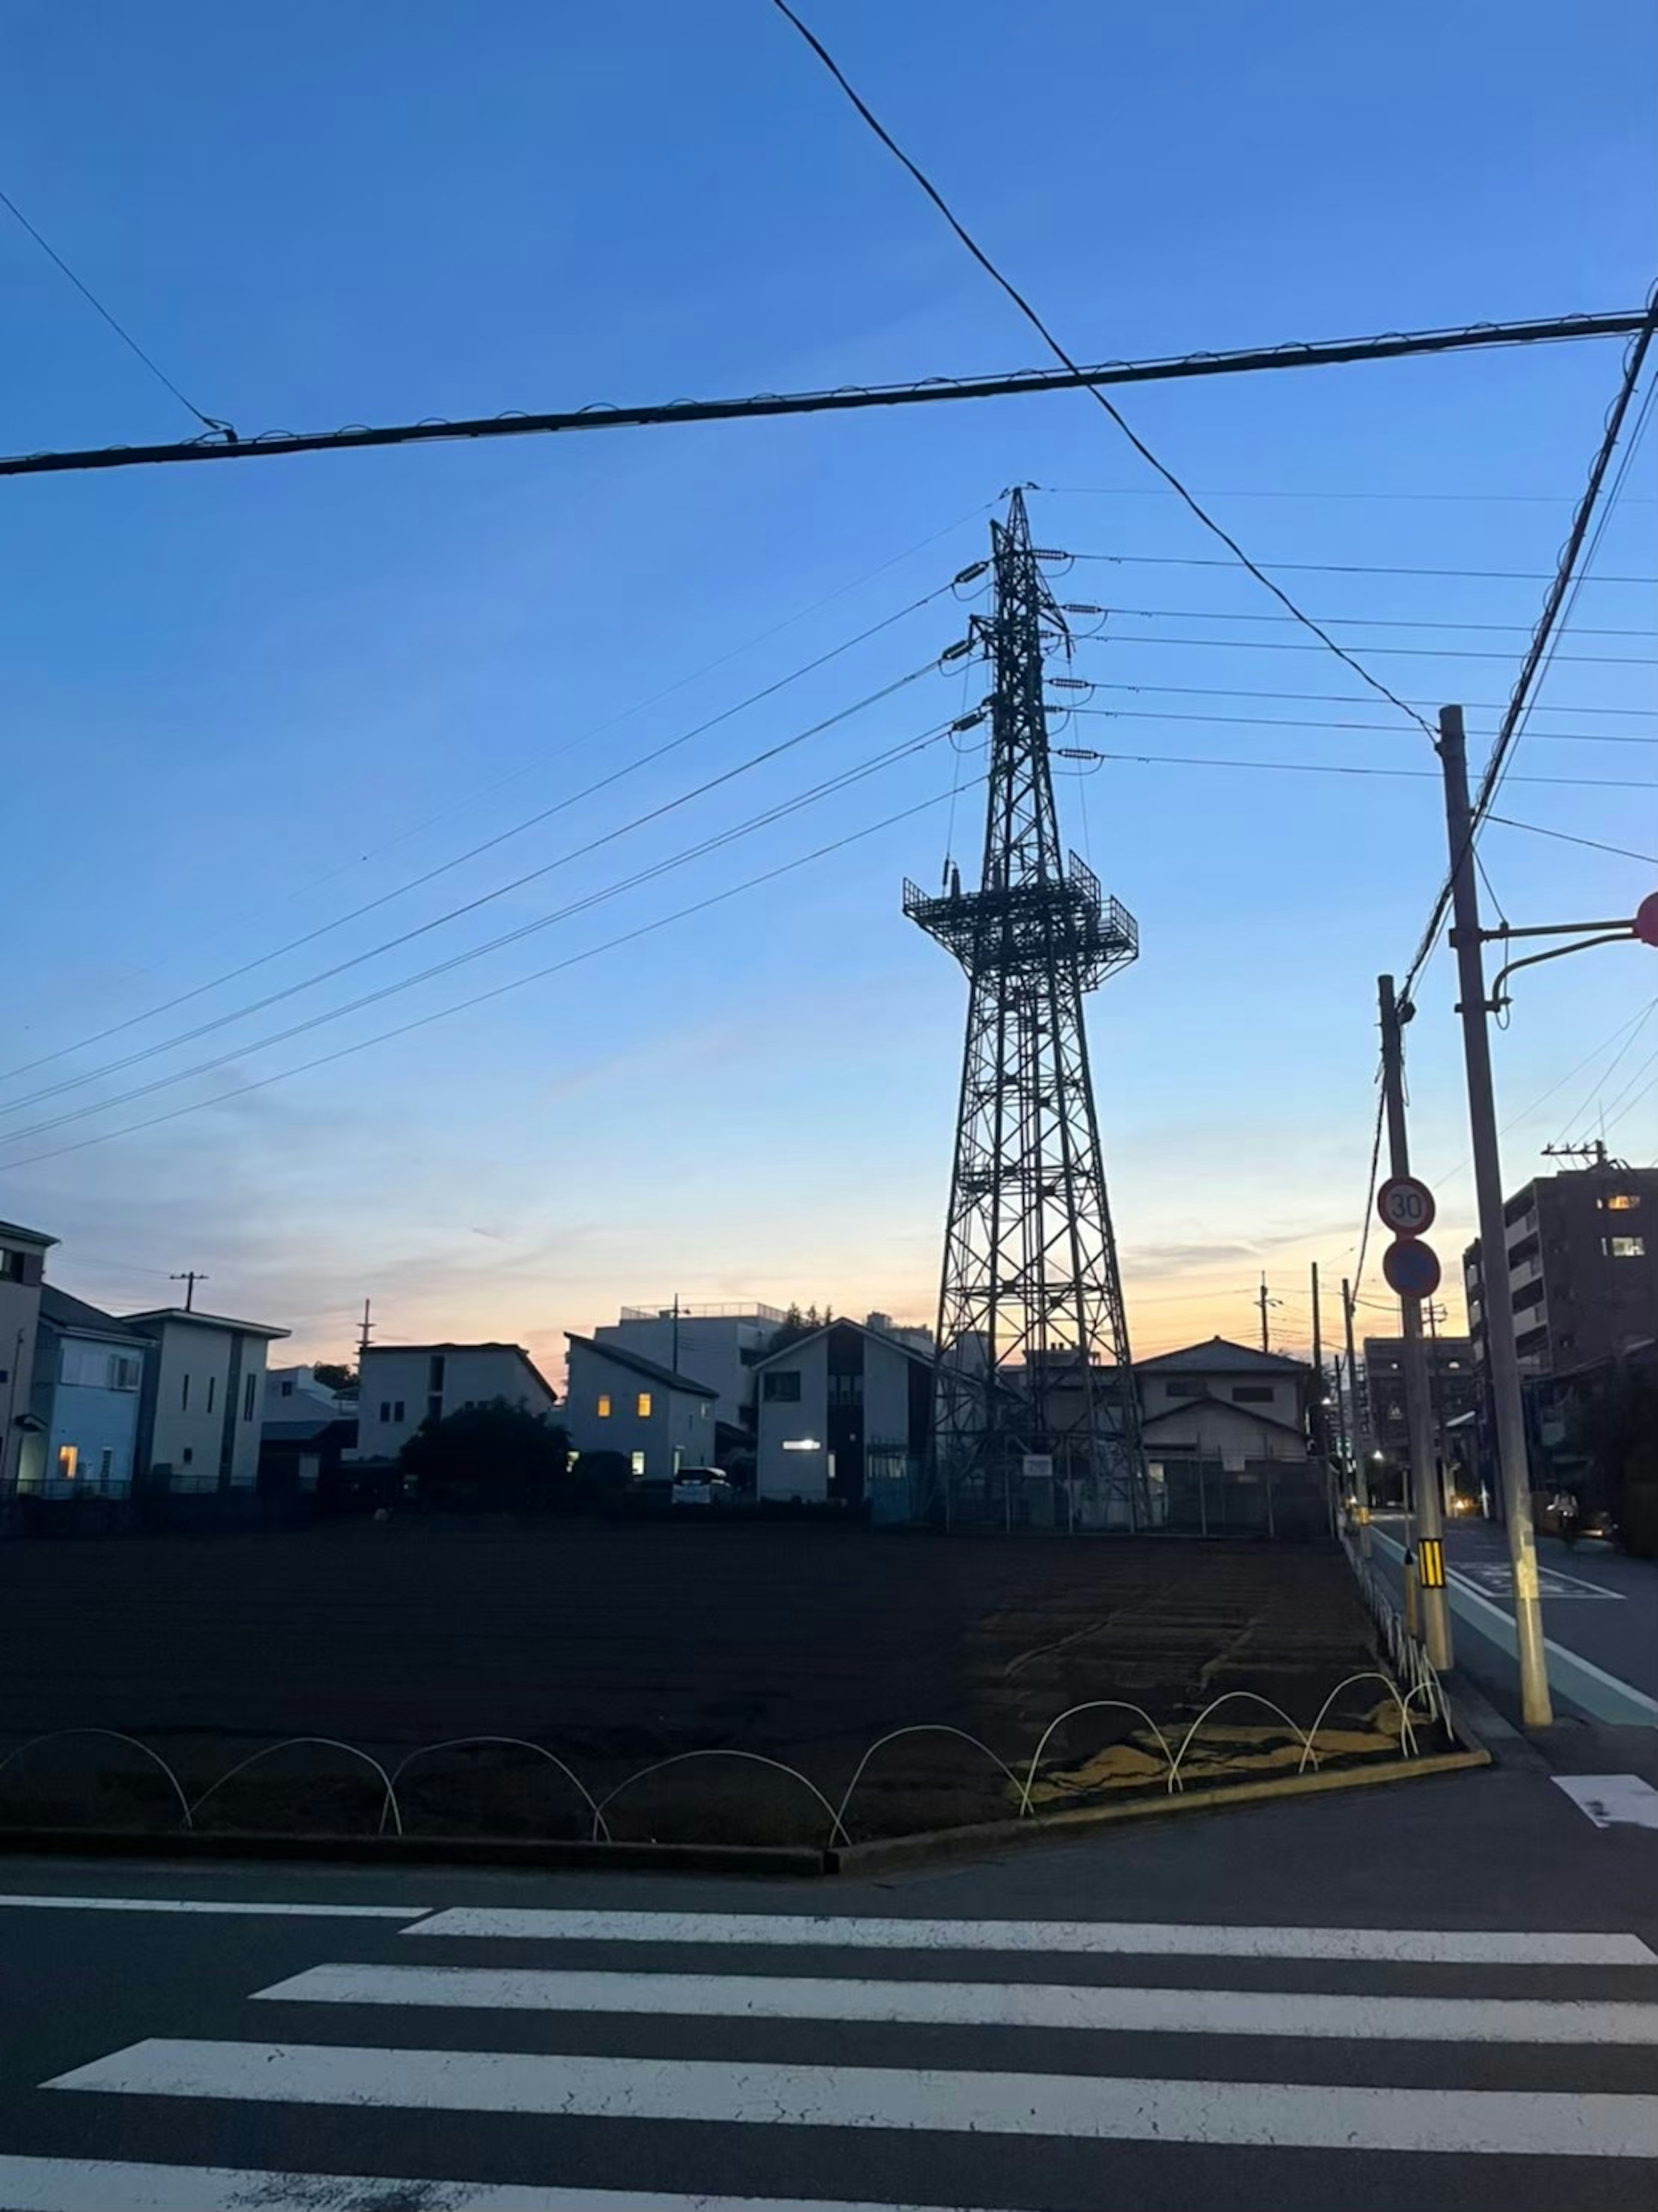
1037	1414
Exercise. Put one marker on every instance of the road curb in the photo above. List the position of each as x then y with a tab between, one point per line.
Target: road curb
798	1862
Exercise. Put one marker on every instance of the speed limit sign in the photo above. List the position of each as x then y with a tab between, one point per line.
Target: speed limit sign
1406	1205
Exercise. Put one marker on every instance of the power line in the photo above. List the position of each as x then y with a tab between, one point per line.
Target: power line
928	391
1634	1088
1338	699
1393	652
1370	1193
1461	498
1341	569
500	990
1536	828
455	914
1623	1029
1574	1120
208	422
1279	722
473	852
667	691
1347	622
842	780
1544	641
1059	352
1329	768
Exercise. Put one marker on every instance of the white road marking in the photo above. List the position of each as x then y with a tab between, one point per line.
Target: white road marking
1397	1946
982	2004
1612	1801
1505	2122
1567	1665
1552	1582
74	2185
212	1905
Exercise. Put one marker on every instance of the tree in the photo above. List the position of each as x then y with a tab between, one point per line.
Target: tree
490	1456
335	1375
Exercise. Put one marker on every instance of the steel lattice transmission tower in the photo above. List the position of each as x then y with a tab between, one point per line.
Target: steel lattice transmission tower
1034	1362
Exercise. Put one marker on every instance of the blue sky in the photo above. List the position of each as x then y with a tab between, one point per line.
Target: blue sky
240	702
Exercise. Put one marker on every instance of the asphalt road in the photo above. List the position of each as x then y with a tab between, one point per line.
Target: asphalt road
1597	1605
1444	1995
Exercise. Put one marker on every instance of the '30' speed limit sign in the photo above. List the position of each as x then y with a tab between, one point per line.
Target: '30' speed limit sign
1406	1205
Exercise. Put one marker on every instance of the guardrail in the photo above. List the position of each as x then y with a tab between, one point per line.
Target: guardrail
1405	1652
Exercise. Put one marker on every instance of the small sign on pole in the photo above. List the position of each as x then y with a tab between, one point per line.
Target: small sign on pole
1411	1267
1406	1205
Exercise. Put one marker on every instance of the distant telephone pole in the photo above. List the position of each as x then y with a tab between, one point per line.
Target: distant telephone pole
1321	1426
1264	1302
366	1329
190	1277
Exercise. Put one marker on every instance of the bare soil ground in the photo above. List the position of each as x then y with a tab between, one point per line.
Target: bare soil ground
614	1646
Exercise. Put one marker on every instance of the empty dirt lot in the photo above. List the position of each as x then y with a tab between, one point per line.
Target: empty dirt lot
615	1645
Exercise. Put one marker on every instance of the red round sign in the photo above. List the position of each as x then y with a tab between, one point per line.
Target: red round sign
1411	1267
1406	1205
1645	919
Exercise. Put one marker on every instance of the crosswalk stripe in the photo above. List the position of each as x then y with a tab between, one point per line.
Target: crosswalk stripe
982	2004
92	2184
50	1904
1402	1946
1288	2115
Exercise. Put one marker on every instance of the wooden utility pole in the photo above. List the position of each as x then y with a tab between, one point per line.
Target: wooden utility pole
190	1277
363	1336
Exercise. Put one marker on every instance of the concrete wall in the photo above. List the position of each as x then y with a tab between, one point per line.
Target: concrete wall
399	1387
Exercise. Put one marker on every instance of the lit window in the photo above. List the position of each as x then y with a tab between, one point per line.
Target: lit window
604	1406
1627	1247
69	1456
638	1463
1623	1201
642	1405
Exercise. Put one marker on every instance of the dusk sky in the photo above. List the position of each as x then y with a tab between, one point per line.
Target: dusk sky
242	701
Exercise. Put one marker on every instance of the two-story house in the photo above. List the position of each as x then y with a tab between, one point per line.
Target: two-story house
88	1370
1221	1400
619	1401
202	1406
401	1385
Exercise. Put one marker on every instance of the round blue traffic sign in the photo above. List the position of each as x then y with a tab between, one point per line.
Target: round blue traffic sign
1411	1267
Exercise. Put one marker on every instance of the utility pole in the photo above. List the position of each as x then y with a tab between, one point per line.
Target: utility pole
1426	1520
190	1277
674	1362
1261	1300
362	1340
1321	1426
1358	1430
1503	1359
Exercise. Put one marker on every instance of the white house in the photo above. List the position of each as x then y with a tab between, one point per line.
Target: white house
619	1401
401	1385
88	1368
1221	1400
203	1402
294	1394
720	1343
22	1257
838	1409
